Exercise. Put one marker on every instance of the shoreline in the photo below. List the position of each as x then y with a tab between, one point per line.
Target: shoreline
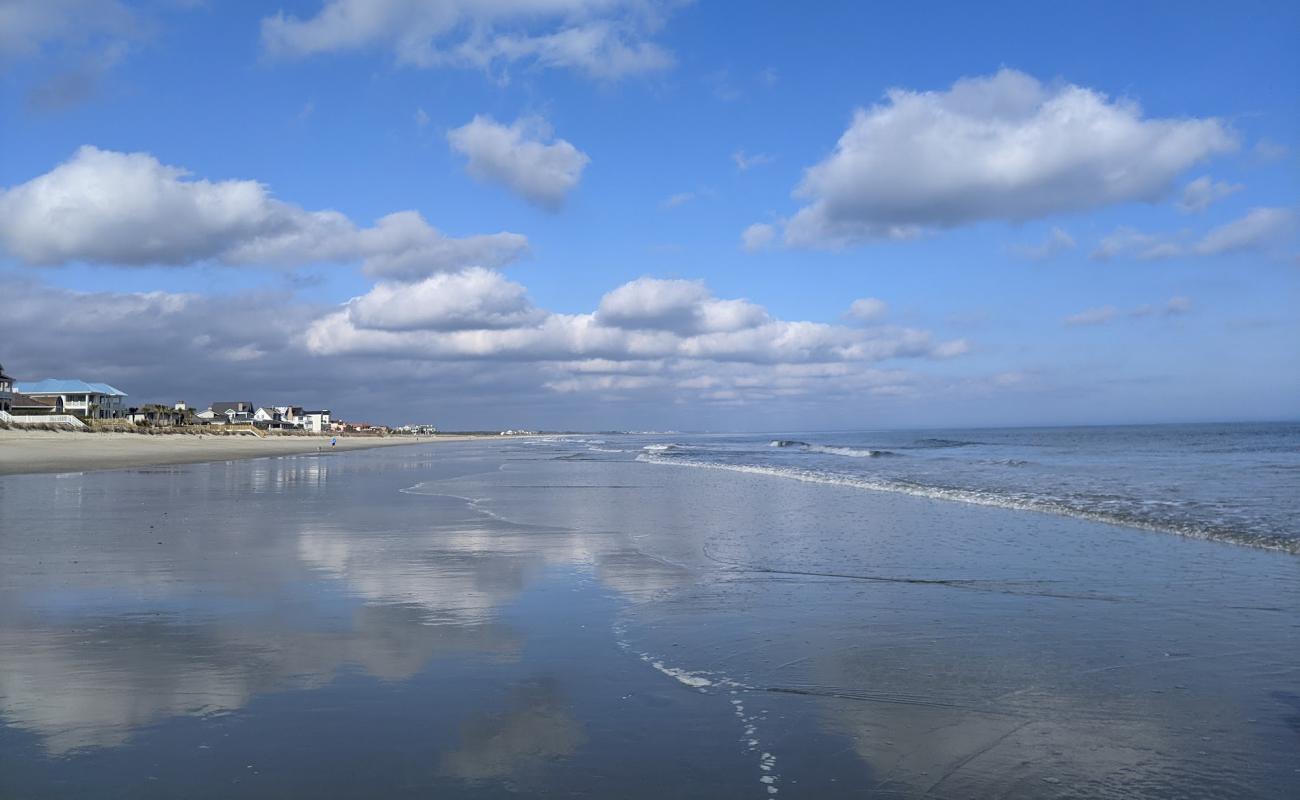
36	452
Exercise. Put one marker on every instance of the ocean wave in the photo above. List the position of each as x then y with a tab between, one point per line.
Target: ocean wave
1046	505
848	452
830	449
933	443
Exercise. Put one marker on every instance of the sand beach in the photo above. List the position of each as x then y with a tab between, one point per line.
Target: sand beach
23	452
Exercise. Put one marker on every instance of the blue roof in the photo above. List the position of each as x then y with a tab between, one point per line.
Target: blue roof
67	386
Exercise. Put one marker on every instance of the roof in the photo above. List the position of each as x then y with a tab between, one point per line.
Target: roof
68	386
238	406
23	401
3	376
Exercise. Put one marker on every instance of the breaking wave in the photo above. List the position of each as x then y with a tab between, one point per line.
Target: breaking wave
1022	502
830	449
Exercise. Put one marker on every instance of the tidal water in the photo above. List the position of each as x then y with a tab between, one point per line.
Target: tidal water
1231	482
559	617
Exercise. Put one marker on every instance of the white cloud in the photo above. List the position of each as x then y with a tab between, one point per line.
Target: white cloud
648	319
1000	147
684	307
474	299
604	39
868	309
1260	229
518	157
1202	192
745	162
1057	242
758	236
679	199
421	118
129	209
1102	315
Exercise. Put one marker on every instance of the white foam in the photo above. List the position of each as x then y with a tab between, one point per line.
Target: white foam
692	679
973	497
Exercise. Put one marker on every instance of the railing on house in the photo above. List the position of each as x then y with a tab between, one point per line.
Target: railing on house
41	419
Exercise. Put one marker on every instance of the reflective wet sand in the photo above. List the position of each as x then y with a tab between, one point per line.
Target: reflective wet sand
506	619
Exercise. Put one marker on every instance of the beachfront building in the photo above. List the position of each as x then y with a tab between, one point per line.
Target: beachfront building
6	390
317	421
291	415
228	413
83	399
159	415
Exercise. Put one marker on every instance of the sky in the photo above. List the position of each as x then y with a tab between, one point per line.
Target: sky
646	215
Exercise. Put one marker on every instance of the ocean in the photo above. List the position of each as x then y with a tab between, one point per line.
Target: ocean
1237	483
668	615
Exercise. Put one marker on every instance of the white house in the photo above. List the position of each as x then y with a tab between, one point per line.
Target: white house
94	400
266	415
317	421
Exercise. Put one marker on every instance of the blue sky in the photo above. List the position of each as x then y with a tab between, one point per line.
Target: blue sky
1060	215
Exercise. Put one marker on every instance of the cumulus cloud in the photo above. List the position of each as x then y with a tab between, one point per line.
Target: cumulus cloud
1057	242
518	157
1109	313
468	347
868	309
648	319
1003	147
1202	192
604	39
129	209
475	298
684	307
1259	230
758	236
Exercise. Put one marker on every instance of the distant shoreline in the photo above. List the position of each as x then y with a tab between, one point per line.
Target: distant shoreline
33	452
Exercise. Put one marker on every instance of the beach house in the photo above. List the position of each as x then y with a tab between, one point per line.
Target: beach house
223	413
317	421
6	390
78	397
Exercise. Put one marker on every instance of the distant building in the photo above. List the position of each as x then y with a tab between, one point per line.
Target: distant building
291	415
92	400
6	390
317	421
23	405
224	413
160	416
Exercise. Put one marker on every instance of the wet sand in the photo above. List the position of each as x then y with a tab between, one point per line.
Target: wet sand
533	619
24	452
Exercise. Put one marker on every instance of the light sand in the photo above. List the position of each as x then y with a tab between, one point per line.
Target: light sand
51	451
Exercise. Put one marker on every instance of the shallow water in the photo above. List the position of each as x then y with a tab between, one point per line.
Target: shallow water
557	618
1231	482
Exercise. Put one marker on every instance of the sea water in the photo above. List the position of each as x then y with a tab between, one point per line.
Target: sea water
1237	483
